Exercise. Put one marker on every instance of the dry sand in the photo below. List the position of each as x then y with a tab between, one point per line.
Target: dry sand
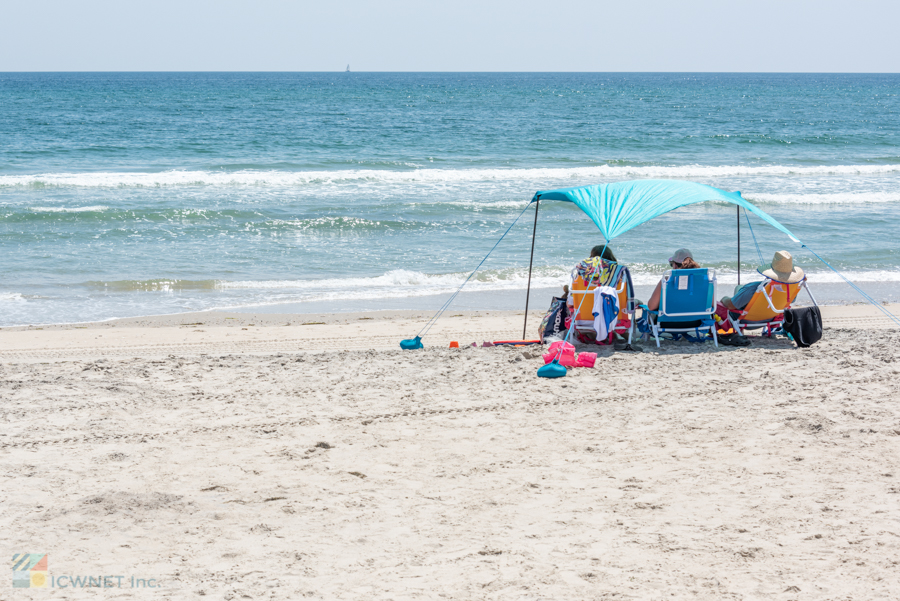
320	461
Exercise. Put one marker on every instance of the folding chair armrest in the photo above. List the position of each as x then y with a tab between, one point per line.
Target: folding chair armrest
769	300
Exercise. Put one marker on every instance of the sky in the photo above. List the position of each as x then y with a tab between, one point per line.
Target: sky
463	35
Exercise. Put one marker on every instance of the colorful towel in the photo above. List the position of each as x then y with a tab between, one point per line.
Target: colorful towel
595	269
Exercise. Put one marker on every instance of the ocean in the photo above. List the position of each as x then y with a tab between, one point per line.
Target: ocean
128	194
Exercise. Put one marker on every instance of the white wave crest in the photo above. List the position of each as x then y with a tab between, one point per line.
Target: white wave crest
481	205
413	283
94	209
824	199
11	297
426	176
401	283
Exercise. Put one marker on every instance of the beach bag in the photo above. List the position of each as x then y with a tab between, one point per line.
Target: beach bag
554	322
643	322
804	325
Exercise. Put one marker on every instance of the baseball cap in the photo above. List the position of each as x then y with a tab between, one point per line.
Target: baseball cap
680	255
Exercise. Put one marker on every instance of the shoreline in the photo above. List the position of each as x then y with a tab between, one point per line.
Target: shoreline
844	310
217	331
857	311
827	295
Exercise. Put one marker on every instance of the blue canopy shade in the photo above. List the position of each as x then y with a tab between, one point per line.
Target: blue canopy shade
619	207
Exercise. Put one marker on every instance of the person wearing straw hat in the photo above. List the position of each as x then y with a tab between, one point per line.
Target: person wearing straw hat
781	270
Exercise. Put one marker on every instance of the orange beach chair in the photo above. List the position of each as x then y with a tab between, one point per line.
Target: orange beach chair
581	299
766	307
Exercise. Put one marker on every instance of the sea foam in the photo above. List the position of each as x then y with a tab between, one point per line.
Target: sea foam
405	283
275	178
92	209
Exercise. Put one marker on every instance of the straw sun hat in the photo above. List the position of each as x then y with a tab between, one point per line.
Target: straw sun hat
782	269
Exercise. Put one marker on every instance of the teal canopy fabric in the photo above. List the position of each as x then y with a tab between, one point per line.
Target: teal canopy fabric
616	208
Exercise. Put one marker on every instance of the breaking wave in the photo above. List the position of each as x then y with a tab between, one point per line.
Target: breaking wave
277	178
402	282
94	209
824	199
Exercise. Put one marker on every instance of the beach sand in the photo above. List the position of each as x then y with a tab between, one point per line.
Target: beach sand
240	456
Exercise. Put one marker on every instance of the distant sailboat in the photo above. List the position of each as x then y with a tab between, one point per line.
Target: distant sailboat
348	68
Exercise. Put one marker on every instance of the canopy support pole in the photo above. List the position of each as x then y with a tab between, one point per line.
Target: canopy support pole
739	242
537	205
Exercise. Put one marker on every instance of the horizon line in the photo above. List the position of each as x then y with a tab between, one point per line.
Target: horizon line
473	72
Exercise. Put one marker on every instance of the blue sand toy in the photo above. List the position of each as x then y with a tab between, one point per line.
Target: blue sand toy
552	370
411	344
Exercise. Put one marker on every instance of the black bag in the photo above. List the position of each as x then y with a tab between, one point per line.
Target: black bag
805	325
554	321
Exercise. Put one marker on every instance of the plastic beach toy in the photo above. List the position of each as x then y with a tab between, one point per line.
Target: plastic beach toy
586	359
562	353
552	370
411	344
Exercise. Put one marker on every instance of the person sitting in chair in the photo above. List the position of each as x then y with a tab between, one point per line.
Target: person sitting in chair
655	322
682	259
596	269
781	270
601	269
604	252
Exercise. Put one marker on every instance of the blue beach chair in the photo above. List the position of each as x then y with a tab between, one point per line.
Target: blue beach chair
686	305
